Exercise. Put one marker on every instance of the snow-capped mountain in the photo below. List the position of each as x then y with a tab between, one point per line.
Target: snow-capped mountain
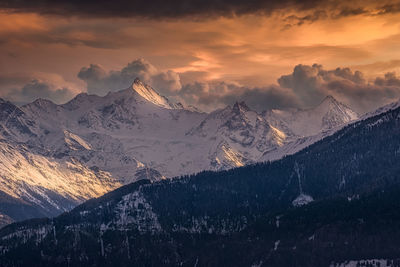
55	156
152	96
327	115
302	128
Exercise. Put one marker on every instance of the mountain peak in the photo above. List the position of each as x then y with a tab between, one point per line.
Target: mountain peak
137	81
151	95
240	106
329	103
334	113
43	102
329	99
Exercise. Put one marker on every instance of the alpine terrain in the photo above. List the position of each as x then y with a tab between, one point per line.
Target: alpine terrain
53	157
334	203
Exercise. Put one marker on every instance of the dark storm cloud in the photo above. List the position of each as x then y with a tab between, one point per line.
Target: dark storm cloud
345	12
390	8
294	20
187	8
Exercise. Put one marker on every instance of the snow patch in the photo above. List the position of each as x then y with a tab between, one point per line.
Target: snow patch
276	244
369	263
302	200
134	209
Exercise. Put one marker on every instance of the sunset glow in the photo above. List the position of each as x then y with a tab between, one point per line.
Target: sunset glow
252	49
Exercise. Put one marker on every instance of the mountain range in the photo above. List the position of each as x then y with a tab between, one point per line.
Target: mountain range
54	157
334	203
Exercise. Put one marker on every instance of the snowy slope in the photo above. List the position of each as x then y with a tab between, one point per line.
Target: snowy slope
152	96
54	156
328	114
381	110
237	135
305	127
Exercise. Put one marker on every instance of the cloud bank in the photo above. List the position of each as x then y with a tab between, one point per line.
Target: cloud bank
211	95
305	87
311	83
39	89
25	88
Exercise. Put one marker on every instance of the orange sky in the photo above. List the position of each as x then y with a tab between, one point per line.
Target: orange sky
252	50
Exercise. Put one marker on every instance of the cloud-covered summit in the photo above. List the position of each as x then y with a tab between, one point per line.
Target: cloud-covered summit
100	82
311	83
